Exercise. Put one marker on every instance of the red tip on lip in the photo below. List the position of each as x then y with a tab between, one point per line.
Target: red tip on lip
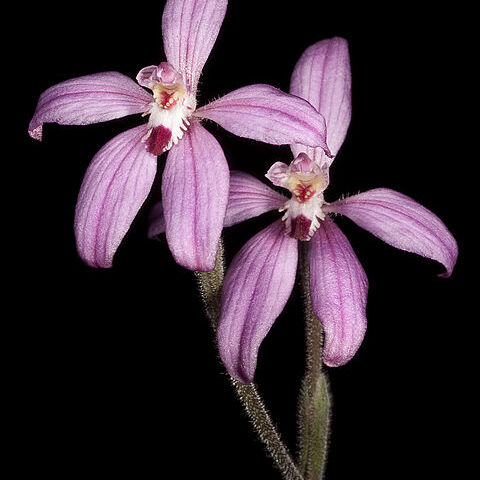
158	139
301	228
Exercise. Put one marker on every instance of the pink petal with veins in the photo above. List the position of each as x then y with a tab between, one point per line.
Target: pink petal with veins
264	113
249	198
401	222
116	184
338	289
194	197
257	286
89	99
190	28
322	76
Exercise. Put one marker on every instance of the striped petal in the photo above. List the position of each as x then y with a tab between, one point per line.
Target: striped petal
190	29
401	222
338	288
264	113
115	186
89	99
194	197
322	76
257	286
249	198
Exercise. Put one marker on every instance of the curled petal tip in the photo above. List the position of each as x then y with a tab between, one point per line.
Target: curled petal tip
192	262
189	258
333	363
88	99
107	263
450	265
449	269
245	379
36	133
207	266
401	222
342	357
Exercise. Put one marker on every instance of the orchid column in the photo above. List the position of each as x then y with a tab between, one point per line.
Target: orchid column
195	180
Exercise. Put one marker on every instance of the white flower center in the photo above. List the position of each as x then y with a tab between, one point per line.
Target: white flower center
303	212
170	110
307	182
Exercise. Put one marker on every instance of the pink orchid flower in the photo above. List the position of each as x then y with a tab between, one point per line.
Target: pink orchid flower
260	279
195	180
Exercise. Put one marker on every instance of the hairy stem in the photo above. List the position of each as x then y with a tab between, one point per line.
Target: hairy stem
210	286
314	404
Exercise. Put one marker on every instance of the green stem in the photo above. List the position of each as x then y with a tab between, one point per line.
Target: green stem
314	404
210	286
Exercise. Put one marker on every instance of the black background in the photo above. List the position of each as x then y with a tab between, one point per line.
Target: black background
115	372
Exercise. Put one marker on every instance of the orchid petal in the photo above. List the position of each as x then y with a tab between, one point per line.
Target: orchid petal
156	221
338	288
401	222
144	76
322	76
89	99
190	29
194	196
114	188
249	198
264	113
279	174
257	286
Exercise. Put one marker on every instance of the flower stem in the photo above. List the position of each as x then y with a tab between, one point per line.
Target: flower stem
314	403
210	286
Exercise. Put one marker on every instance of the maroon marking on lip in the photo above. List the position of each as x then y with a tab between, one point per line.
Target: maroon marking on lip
301	228
158	139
